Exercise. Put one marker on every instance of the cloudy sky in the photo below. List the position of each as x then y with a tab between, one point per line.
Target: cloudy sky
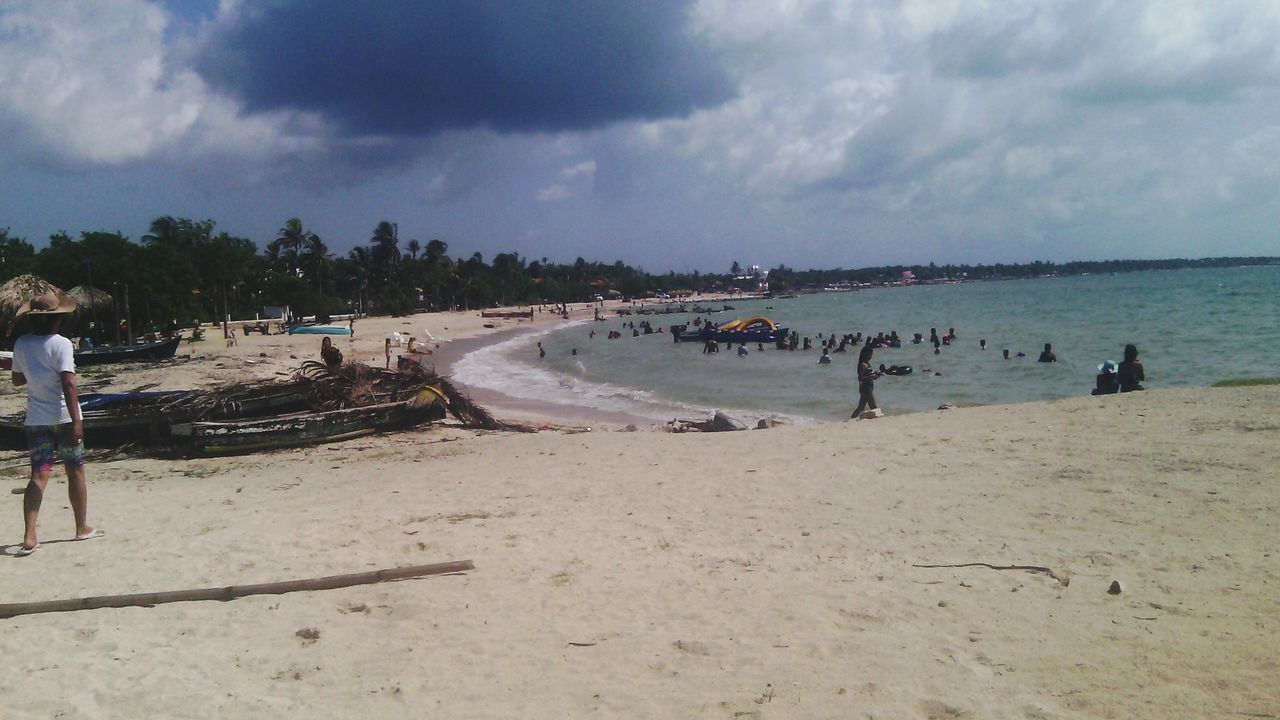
672	134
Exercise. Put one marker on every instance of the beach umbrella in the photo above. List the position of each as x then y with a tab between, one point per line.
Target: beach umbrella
16	293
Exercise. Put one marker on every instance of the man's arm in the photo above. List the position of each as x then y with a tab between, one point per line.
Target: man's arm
19	379
72	395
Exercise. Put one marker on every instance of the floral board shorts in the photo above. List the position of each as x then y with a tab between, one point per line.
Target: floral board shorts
44	441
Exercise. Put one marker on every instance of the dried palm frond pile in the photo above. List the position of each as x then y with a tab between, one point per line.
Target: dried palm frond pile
229	401
358	385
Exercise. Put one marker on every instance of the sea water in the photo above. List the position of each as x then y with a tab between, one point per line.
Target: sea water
1192	328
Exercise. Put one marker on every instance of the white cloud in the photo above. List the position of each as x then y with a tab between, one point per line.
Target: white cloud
89	79
554	193
586	168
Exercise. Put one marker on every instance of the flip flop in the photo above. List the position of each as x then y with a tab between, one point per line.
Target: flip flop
95	533
23	551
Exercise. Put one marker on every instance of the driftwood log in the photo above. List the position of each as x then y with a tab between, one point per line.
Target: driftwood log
1064	580
231	592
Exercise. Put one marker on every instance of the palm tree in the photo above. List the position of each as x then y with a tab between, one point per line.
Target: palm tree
385	247
315	258
164	231
289	243
361	265
413	247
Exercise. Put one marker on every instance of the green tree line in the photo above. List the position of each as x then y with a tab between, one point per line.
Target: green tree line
182	270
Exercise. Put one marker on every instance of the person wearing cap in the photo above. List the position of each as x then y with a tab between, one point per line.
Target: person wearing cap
44	362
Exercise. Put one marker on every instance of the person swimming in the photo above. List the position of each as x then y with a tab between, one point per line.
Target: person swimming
825	359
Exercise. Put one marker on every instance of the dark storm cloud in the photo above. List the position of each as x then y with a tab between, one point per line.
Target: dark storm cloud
416	68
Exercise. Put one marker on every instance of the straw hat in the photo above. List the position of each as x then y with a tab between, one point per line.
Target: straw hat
50	303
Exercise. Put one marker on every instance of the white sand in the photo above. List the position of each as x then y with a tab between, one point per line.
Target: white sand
755	574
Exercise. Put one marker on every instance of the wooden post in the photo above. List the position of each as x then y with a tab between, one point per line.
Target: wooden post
232	592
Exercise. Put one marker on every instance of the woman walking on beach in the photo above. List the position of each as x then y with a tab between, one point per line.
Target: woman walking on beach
866	383
44	361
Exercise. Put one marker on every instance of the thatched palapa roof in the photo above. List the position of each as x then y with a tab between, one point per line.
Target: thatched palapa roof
18	292
88	298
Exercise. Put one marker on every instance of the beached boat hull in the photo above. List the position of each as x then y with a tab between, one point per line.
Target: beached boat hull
163	350
222	438
319	330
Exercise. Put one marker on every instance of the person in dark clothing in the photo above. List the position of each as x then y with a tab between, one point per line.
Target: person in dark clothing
1047	356
1107	382
866	382
330	355
1130	373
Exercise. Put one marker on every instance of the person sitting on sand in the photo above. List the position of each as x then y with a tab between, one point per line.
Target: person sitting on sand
330	355
866	382
1047	356
1130	372
742	350
413	345
1107	381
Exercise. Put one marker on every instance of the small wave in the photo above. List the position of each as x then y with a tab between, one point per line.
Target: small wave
494	368
497	367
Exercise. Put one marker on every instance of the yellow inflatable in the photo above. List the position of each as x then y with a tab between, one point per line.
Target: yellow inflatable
754	323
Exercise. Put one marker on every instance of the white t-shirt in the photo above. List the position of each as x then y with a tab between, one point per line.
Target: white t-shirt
43	359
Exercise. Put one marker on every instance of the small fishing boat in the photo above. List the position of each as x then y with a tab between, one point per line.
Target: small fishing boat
319	330
161	350
308	428
109	419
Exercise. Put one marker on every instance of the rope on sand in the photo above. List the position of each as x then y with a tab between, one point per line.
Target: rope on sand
231	592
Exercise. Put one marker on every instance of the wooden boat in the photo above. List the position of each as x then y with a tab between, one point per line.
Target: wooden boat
299	429
162	350
106	419
507	313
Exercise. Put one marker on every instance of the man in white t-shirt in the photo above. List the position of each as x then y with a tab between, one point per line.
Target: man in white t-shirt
44	361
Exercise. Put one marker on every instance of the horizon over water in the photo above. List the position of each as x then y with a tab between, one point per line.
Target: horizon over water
1192	328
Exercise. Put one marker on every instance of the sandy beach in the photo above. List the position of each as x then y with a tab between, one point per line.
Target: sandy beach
646	575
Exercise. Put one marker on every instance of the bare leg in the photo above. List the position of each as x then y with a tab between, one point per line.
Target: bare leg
78	493
871	401
31	500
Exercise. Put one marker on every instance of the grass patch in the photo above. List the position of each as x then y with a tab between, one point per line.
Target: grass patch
1247	382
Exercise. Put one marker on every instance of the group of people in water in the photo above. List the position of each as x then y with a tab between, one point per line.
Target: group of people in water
1126	376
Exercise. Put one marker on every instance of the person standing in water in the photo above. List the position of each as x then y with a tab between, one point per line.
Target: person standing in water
1130	373
44	362
866	383
1047	356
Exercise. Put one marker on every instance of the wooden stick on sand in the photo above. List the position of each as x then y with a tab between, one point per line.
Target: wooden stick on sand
1028	568
231	592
